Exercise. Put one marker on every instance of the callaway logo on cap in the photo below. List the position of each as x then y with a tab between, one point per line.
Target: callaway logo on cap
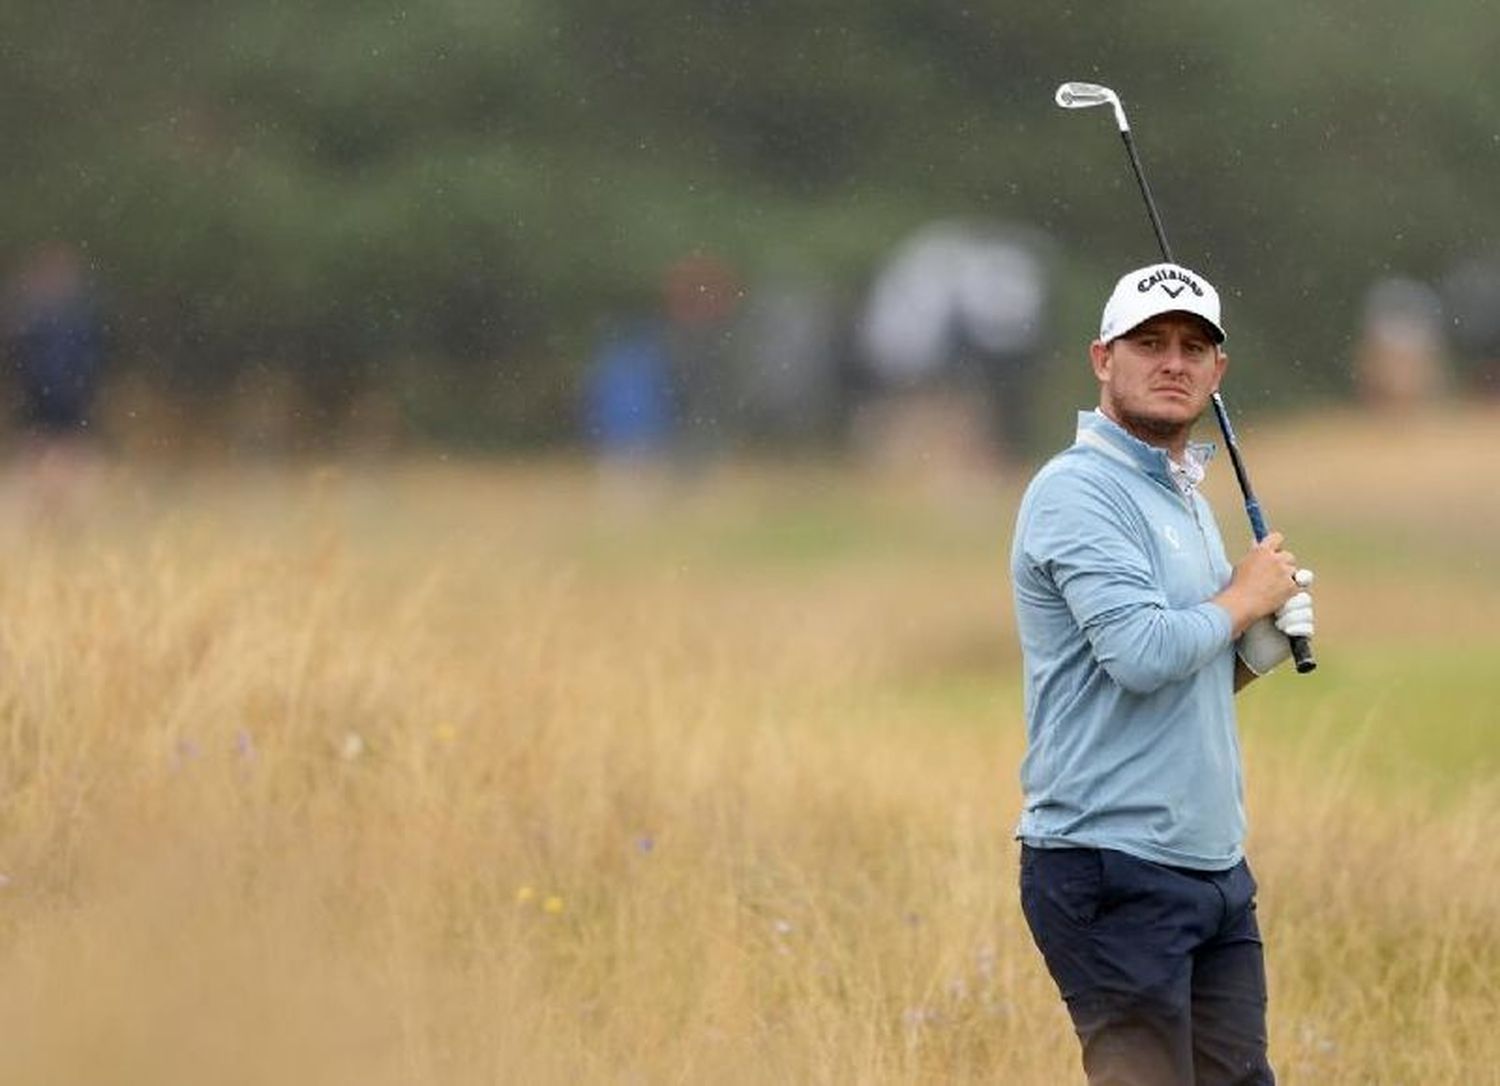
1156	289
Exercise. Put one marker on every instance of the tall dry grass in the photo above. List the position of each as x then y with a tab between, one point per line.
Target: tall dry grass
438	775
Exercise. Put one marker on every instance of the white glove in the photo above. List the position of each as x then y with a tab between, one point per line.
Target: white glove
1264	643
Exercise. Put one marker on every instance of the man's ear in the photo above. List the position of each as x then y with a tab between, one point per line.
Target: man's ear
1222	366
1100	358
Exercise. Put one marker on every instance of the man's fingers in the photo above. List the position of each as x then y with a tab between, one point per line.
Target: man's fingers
1296	625
1295	617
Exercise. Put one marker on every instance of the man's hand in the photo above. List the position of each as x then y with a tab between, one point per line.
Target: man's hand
1263	581
1295	617
1264	644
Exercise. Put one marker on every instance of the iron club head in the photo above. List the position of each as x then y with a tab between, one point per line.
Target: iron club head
1087	95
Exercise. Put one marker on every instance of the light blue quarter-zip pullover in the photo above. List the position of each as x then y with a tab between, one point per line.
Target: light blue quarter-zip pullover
1129	670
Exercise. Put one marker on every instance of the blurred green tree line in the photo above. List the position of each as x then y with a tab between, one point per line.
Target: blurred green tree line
441	199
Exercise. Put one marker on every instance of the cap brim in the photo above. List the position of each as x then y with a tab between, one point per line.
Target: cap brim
1214	331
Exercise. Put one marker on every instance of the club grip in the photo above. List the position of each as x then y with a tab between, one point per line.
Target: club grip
1302	654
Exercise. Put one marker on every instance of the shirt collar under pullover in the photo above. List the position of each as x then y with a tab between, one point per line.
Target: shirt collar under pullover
1099	431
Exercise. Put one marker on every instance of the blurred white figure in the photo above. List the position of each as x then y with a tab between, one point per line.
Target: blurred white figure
1400	359
956	321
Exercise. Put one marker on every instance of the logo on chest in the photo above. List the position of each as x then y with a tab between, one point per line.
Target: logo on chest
1169	533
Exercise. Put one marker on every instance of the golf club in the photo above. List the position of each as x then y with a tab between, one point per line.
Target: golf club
1086	96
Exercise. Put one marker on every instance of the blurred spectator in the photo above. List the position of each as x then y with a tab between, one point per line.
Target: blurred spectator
56	343
787	362
963	307
56	347
1399	361
702	294
1471	296
627	406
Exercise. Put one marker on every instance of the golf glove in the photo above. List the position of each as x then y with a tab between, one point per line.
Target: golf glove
1264	643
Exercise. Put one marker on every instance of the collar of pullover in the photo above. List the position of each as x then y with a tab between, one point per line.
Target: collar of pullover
1097	430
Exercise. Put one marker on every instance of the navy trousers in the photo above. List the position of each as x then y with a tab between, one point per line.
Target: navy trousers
1162	968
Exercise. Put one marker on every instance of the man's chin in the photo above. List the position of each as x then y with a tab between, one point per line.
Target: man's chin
1165	425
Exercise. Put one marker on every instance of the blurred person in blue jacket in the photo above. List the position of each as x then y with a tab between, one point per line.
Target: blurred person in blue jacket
54	341
1136	632
629	413
56	344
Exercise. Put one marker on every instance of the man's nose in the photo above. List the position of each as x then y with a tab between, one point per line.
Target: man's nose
1174	356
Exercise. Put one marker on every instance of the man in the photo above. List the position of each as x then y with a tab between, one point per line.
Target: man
1136	633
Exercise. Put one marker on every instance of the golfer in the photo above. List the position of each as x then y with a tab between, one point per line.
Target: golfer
1136	633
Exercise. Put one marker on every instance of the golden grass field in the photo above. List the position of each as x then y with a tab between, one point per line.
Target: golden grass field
447	773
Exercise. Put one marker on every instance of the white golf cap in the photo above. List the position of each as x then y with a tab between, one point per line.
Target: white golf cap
1156	289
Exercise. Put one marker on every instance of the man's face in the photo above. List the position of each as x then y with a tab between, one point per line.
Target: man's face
1156	379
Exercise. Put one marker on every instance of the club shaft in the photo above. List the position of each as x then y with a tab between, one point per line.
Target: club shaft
1302	653
1140	180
